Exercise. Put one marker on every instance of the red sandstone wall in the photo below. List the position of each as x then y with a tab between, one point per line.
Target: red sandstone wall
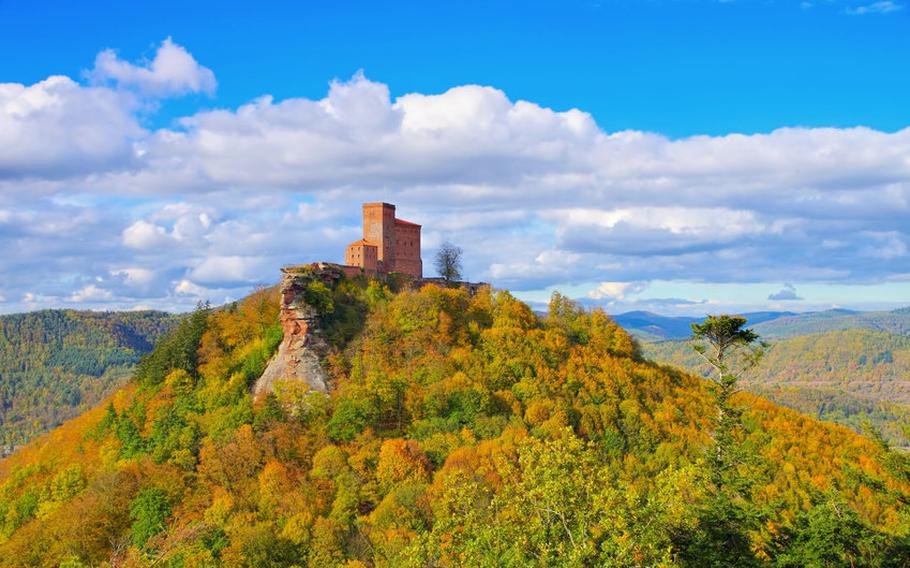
397	243
379	228
407	250
362	255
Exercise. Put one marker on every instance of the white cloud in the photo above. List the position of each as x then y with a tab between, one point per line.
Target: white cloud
57	127
617	290
883	7
145	235
535	197
31	299
886	245
189	288
135	277
172	72
230	270
91	293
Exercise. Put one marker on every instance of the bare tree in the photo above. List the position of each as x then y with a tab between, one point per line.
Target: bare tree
448	262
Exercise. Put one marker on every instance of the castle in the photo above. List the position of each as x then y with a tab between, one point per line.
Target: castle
388	244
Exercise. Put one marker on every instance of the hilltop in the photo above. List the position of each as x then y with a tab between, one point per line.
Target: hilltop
56	364
457	428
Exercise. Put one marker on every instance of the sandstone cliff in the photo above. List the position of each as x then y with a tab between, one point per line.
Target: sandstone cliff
300	355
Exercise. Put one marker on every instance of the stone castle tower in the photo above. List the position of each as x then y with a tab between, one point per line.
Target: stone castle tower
388	244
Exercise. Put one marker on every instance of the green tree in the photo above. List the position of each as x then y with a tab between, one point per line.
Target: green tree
177	350
729	349
720	338
832	534
149	512
721	538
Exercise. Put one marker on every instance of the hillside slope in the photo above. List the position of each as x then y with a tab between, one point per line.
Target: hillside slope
55	364
458	431
847	376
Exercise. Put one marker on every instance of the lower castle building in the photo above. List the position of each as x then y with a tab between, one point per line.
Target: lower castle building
388	244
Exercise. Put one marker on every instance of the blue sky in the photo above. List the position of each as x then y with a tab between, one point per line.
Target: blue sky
676	67
679	156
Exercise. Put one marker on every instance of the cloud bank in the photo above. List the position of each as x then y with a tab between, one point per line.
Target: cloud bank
97	210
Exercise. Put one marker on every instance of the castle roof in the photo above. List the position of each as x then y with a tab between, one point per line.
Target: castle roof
363	242
403	222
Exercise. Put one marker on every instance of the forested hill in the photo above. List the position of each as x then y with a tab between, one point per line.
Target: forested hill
458	430
852	377
896	322
55	364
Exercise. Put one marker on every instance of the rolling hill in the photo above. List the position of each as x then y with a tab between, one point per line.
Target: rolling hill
849	376
895	322
56	364
456	430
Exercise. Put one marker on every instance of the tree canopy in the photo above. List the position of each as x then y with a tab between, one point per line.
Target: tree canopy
459	430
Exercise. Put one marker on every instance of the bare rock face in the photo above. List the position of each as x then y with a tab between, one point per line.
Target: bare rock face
299	357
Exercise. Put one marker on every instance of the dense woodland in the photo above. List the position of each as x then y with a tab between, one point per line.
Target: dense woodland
459	431
56	364
856	377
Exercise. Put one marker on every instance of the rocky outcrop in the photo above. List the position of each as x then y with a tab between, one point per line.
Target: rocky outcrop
300	355
303	349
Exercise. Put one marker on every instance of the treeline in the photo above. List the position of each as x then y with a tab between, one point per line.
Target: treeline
459	431
55	364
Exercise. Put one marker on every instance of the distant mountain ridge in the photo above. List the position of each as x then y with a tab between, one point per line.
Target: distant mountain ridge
648	326
896	322
655	327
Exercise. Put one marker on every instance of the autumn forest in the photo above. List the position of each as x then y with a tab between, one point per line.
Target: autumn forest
458	430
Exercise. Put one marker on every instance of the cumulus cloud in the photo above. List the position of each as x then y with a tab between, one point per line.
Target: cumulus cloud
173	71
136	278
536	197
91	293
189	288
617	290
145	235
788	292
57	128
230	270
